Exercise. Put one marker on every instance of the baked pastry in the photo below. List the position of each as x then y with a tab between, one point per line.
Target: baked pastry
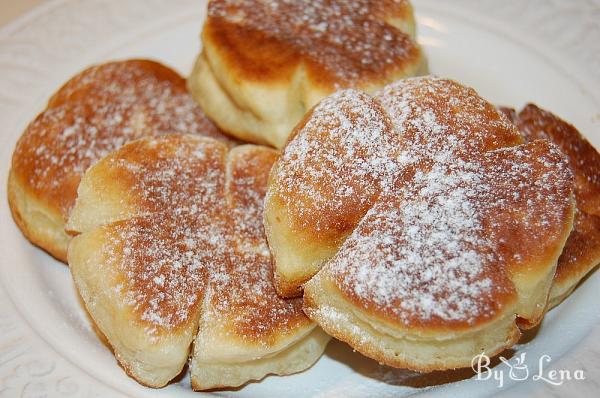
94	113
265	63
172	251
422	228
582	250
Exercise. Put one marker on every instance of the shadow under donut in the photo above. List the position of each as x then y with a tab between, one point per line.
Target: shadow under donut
367	367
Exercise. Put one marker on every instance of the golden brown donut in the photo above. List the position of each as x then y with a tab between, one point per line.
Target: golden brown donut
172	254
94	113
421	228
582	250
265	63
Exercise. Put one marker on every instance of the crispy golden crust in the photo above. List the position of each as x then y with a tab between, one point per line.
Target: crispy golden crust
338	42
434	227
582	250
94	113
265	63
330	174
522	200
172	246
94	84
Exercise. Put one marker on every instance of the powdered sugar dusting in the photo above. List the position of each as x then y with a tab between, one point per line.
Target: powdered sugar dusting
460	210
535	123
97	112
440	246
440	119
422	251
246	192
187	240
347	40
162	279
435	247
581	250
174	175
347	148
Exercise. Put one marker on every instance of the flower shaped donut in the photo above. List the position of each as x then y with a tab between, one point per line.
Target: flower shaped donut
172	251
421	228
265	63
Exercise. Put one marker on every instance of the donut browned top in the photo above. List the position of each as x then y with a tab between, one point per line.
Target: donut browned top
189	241
433	199
341	43
582	249
94	113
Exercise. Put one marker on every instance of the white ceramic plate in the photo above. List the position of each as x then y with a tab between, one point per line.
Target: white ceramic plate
510	51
